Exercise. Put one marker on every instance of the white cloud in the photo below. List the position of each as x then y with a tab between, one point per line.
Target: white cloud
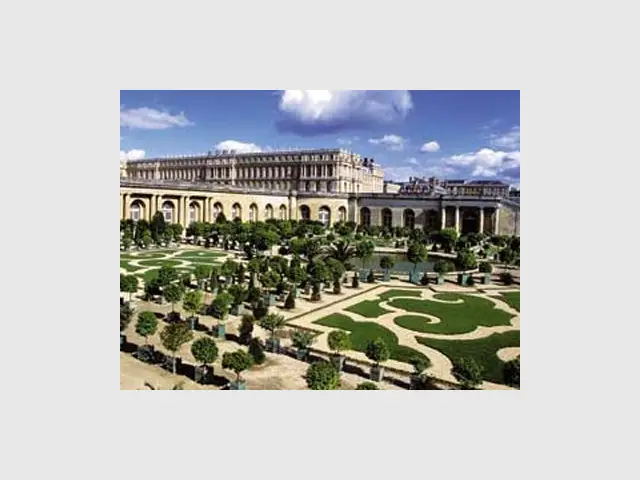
322	111
509	140
432	146
347	141
486	162
131	155
402	174
151	119
240	147
391	142
412	161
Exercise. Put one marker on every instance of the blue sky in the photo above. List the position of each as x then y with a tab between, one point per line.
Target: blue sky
449	134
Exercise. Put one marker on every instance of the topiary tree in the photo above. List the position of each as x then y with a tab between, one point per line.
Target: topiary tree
417	253
202	272
246	328
174	336
167	275
467	372
172	294
419	364
443	266
146	325
323	376
356	281
213	279
337	270
269	280
126	314
220	305
302	339
256	350
339	341
364	250
466	260
239	293
129	284
205	351
386	262
237	361
507	256
448	237
485	267
367	386
378	351
272	322
290	301
371	278
193	301
260	310
511	372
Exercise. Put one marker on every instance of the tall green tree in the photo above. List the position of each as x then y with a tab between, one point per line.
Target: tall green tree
129	284
173	294
417	253
323	376
338	341
467	372
204	350
147	325
175	335
193	301
272	322
386	262
364	250
378	351
237	361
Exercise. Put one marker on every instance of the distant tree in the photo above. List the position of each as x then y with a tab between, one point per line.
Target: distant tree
467	372
302	339
202	272
337	270
485	267
174	336
367	386
356	281
466	260
338	341
420	364
126	314
511	372
507	256
167	275
448	237
173	294
239	294
237	361
213	279
378	351
256	350
260	310
176	229
158	227
220	305
443	266
290	301
417	253
269	280
323	376
342	250
204	350
147	325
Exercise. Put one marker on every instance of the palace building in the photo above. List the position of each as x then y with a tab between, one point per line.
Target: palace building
328	185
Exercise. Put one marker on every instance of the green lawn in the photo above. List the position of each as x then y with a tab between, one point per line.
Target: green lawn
364	332
512	298
482	350
413	322
399	293
128	267
368	308
195	254
160	263
454	317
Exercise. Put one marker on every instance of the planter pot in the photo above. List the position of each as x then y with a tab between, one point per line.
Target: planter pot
193	322
123	339
270	300
385	277
241	385
376	373
316	297
362	275
463	278
204	374
414	277
237	310
486	279
219	331
440	279
296	292
416	382
273	345
307	290
121	301
146	353
302	353
170	361
338	361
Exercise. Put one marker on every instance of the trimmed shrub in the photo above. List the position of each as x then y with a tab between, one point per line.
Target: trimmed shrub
367	386
485	267
256	350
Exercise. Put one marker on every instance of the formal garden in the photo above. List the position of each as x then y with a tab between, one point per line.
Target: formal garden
221	302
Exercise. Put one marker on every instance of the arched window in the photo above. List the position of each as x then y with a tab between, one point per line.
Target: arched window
137	211
387	218
217	210
409	218
253	212
193	212
236	211
283	212
305	213
365	217
342	214
268	212
167	211
324	215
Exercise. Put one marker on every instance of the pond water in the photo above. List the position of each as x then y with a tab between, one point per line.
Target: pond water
401	263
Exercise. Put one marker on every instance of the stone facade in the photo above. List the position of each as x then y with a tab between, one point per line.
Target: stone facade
320	170
201	199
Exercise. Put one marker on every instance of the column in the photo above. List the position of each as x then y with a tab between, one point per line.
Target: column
121	207
495	223
443	218
153	205
127	212
458	219
207	209
481	219
183	212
